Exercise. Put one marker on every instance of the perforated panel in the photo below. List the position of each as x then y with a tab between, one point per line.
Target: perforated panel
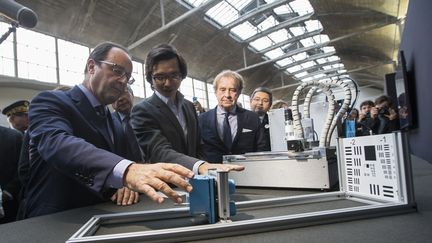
371	166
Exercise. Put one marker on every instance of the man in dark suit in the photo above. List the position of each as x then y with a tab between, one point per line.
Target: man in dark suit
166	124
10	146
77	156
261	101
228	128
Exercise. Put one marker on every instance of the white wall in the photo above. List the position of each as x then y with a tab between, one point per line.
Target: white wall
9	95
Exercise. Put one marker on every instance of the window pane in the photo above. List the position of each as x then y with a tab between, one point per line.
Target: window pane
36	56
186	88
211	96
200	92
72	61
137	74
7	66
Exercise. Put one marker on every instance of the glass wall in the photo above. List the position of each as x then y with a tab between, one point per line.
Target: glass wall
72	60
7	66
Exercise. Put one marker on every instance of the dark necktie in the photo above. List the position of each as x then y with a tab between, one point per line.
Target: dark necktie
227	139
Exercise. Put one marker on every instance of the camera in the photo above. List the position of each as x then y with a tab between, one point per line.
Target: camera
383	111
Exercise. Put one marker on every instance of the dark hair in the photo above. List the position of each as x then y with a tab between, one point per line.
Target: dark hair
163	52
367	102
265	90
384	98
100	52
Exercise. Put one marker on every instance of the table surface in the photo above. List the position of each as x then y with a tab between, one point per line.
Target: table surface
410	227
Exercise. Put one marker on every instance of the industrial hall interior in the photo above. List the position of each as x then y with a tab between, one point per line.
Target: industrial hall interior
215	121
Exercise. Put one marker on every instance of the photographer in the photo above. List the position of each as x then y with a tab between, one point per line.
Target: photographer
368	118
387	116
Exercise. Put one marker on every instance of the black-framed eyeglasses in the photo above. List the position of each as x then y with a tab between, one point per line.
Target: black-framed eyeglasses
170	76
120	72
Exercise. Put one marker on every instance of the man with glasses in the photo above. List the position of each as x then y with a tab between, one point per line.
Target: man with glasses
166	124
77	151
261	101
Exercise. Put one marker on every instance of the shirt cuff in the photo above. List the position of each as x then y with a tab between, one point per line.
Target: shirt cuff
115	179
196	166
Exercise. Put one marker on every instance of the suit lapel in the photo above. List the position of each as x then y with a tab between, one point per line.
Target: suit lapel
86	109
167	113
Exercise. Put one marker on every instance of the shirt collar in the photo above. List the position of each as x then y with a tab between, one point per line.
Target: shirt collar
220	110
90	96
179	97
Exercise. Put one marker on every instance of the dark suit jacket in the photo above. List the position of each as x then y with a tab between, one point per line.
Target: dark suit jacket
249	137
71	152
133	151
161	136
10	147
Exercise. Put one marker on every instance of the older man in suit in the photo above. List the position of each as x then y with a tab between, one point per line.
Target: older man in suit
166	124
228	128
76	148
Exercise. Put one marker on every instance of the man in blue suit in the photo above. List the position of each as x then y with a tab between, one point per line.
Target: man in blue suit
77	157
228	128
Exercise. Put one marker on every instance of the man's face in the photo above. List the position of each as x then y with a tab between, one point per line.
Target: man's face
167	77
365	109
106	84
227	93
19	121
124	103
260	103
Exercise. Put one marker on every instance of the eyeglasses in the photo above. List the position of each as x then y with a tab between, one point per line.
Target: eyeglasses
120	72
171	76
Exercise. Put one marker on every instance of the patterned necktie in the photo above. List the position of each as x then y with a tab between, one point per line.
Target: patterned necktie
227	138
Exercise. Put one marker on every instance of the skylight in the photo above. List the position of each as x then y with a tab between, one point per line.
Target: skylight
312	25
274	53
284	9
244	30
301	6
227	11
279	36
261	43
223	13
268	23
299	75
300	56
294	69
285	61
308	64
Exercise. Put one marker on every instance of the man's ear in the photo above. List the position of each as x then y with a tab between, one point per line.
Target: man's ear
91	66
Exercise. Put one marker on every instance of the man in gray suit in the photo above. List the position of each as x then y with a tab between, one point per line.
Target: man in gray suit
166	124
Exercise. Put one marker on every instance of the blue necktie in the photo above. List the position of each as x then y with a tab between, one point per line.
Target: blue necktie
227	139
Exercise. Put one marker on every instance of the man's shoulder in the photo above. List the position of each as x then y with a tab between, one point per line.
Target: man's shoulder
9	132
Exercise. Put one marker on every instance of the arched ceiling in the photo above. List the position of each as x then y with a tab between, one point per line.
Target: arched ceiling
365	35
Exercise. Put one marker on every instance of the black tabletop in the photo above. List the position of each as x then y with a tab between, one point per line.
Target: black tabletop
411	227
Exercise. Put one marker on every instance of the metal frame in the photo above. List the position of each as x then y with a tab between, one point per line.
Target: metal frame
375	206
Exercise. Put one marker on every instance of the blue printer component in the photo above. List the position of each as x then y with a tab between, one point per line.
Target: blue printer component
204	198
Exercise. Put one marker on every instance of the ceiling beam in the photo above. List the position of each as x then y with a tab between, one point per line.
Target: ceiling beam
202	7
281	25
261	9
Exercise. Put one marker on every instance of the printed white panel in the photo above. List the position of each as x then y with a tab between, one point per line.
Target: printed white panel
371	166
